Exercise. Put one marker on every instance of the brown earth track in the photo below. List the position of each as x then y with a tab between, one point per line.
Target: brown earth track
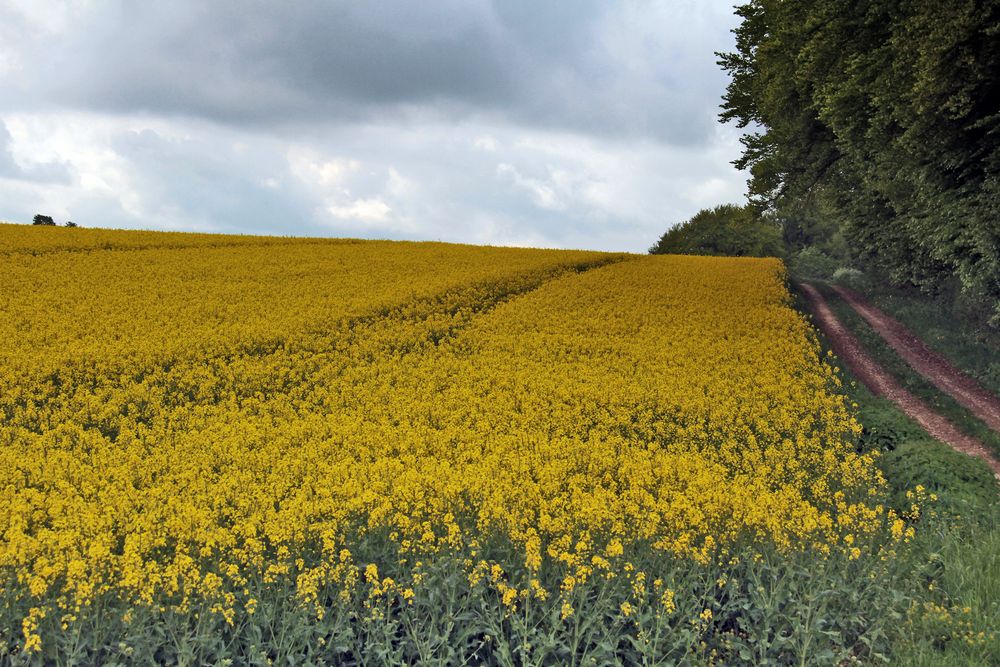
881	383
926	361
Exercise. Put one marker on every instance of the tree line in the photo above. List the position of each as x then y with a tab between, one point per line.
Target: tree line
872	136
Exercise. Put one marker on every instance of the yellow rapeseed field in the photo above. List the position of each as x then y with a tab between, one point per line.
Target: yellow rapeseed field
194	418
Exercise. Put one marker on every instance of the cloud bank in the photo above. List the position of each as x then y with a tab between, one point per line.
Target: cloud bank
586	124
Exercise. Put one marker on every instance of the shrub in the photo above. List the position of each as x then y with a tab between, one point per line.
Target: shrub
724	230
851	277
814	263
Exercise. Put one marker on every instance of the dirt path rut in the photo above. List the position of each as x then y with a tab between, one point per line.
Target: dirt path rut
880	383
927	362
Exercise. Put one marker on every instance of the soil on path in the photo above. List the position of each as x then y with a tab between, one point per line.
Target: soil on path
927	362
880	383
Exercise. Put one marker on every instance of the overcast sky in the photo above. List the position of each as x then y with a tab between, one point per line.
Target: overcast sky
578	123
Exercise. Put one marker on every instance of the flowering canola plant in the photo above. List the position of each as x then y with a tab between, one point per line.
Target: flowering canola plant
189	421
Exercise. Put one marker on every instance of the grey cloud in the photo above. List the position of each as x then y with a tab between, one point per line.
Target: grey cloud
264	60
207	184
576	124
8	166
41	172
551	64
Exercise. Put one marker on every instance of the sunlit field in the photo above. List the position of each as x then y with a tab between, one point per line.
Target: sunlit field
328	451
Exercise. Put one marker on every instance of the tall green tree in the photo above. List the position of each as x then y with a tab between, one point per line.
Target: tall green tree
885	116
723	230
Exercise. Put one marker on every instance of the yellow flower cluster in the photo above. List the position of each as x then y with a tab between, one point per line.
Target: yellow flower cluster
37	240
129	303
949	623
178	421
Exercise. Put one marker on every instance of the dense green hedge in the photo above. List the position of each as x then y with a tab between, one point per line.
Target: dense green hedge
883	117
724	230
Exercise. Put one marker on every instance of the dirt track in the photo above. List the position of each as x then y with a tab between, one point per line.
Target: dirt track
927	362
880	383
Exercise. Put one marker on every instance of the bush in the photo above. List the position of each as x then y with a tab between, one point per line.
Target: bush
851	277
724	230
813	263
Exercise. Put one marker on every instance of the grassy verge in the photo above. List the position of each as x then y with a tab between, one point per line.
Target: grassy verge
954	591
956	582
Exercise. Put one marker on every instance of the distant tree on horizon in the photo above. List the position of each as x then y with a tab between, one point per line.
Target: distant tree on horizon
724	230
70	223
46	220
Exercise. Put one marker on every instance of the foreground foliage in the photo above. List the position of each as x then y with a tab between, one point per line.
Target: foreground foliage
376	452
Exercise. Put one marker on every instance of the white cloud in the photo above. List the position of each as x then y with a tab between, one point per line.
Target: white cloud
48	16
485	143
537	187
545	194
398	186
362	210
307	165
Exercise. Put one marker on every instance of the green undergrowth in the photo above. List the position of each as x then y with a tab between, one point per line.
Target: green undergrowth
955	590
763	608
952	612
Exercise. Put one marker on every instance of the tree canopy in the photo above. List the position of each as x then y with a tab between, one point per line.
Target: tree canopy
883	116
723	230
